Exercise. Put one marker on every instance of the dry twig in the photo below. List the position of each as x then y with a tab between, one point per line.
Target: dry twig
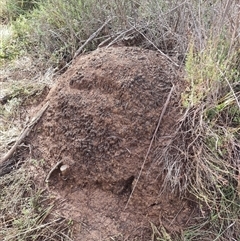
94	35
151	143
52	170
151	42
25	133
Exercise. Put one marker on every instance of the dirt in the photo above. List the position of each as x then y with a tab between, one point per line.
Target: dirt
101	118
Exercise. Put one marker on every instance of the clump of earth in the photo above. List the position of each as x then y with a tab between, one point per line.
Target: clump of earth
102	114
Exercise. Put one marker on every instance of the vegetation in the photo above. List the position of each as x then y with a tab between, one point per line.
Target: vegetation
25	211
201	37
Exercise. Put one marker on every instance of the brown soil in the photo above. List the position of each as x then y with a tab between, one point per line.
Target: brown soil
102	115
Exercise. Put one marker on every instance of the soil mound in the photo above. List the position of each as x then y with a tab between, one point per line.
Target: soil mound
102	115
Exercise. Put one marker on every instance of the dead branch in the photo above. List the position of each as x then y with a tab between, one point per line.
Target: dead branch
119	36
25	133
151	42
52	170
94	35
80	49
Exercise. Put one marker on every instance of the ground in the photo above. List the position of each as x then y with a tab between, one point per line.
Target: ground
102	114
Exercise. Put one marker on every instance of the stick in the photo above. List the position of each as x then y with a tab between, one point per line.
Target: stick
94	35
151	42
151	143
53	169
118	36
25	133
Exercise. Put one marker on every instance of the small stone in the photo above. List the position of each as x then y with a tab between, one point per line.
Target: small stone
65	171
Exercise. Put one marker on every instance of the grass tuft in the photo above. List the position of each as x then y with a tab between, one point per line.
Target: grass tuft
203	156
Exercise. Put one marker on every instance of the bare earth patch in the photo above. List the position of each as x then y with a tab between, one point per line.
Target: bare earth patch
101	118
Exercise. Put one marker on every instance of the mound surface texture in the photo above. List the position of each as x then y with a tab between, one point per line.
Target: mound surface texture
101	118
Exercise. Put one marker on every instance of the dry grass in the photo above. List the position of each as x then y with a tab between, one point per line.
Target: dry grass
202	158
26	211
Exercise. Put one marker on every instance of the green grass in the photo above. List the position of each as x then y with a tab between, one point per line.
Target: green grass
203	157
